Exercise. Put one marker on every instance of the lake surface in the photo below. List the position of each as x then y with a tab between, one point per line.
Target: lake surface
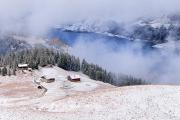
71	37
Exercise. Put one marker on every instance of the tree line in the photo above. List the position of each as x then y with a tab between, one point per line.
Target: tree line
42	56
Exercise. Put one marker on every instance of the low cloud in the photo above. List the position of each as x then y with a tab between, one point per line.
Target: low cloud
154	66
37	16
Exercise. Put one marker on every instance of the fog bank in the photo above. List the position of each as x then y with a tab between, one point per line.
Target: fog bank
154	66
37	16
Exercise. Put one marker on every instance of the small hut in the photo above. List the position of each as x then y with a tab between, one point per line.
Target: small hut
74	78
23	66
47	79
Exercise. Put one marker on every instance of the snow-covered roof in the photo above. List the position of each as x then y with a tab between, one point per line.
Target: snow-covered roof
74	76
22	65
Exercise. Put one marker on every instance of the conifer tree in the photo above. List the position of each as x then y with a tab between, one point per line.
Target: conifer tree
4	71
0	71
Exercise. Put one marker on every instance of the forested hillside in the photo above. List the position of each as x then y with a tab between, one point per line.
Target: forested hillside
42	56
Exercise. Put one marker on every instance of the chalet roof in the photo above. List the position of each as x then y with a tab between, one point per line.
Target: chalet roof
74	76
22	65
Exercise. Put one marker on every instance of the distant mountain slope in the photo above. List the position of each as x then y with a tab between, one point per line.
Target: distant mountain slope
8	44
57	44
149	31
155	30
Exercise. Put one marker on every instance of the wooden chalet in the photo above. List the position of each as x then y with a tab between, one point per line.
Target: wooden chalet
74	78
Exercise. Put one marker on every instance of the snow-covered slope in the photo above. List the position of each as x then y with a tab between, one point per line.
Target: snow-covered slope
97	26
127	103
86	100
155	22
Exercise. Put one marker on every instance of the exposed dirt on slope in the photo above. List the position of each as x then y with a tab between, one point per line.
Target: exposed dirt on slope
18	86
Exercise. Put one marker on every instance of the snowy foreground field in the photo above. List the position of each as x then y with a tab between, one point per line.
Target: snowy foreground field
88	100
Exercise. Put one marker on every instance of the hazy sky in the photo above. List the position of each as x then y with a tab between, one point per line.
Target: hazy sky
37	16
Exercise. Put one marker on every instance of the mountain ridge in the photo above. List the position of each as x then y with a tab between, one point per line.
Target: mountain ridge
156	30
